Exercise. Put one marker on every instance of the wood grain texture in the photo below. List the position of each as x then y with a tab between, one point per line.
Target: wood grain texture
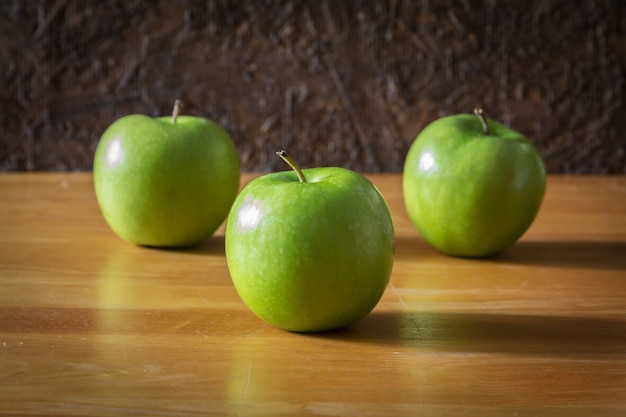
93	326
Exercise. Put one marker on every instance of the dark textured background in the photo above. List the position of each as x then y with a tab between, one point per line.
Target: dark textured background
334	82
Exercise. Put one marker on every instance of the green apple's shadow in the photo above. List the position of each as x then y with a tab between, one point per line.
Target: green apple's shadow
212	246
488	333
599	255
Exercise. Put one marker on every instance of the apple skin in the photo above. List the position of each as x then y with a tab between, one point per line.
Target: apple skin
468	193
163	183
310	256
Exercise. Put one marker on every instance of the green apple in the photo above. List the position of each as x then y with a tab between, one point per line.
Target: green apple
166	181
472	186
310	250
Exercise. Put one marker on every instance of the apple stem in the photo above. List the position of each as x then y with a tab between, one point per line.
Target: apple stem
283	155
479	113
177	106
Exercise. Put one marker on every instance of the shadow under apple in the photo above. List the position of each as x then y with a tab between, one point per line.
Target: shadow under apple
489	332
212	246
602	255
580	254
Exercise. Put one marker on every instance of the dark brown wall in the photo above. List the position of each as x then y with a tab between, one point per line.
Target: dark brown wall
334	82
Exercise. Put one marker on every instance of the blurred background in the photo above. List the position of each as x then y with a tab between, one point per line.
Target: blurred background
348	83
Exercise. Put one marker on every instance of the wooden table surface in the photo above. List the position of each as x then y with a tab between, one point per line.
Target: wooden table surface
93	326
